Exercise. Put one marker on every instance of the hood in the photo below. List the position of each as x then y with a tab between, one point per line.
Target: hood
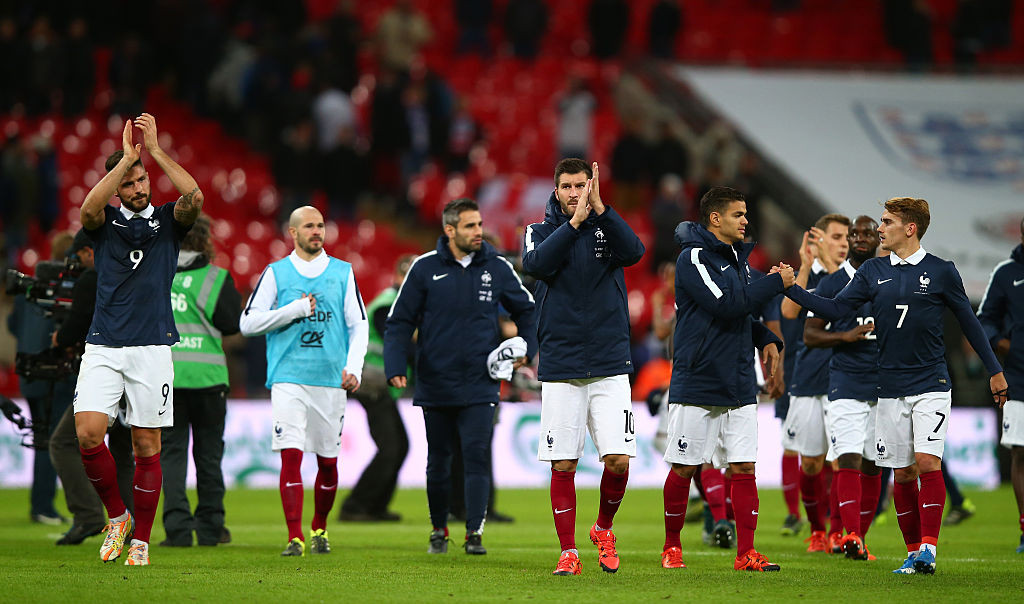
1018	253
693	234
188	260
553	213
487	251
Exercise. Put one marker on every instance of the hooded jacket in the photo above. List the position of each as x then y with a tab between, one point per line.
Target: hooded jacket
715	336
1002	316
455	309
583	316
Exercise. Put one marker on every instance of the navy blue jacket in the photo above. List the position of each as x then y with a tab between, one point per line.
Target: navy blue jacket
1002	316
456	312
716	301
583	324
908	299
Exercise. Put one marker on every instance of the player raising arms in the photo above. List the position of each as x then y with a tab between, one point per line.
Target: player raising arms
128	349
909	290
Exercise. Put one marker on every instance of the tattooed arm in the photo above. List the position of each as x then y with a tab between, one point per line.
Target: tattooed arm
187	208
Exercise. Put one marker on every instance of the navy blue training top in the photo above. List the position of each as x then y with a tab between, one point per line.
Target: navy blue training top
135	261
810	367
853	370
908	299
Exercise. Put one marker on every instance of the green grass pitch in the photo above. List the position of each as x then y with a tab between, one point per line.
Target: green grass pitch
388	562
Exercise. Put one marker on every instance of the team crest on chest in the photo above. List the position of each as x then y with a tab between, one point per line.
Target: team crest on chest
600	244
154	224
922	283
485	294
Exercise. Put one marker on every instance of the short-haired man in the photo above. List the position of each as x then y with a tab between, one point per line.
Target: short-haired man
1002	316
453	295
206	307
909	291
310	309
822	250
577	255
128	349
852	394
713	394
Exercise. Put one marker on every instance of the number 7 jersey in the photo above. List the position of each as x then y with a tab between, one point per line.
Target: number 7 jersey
136	258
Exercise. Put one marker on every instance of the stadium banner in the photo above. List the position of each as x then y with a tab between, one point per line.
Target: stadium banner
249	462
854	140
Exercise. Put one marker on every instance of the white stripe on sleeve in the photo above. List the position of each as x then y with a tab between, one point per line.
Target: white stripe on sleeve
695	259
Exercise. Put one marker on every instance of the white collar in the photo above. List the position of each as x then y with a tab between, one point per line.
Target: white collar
914	258
817	266
846	266
145	213
319	259
466	260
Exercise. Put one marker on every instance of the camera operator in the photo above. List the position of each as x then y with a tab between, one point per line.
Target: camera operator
83	502
47	399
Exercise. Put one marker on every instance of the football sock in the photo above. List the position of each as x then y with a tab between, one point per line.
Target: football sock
291	491
714	492
932	500
730	513
791	483
1022	523
870	487
810	493
613	489
146	486
904	499
563	507
826	481
745	503
848	493
835	520
102	472
676	494
324	490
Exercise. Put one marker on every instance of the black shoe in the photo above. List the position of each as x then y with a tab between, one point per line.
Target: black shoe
224	537
495	516
79	533
723	534
176	542
438	542
388	516
474	544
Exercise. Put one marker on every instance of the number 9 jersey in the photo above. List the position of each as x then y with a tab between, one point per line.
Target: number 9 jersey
136	258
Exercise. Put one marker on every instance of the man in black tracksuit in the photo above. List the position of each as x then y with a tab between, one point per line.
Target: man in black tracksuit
577	255
452	295
712	411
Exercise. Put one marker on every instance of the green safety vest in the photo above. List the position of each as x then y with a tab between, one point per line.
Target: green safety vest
199	356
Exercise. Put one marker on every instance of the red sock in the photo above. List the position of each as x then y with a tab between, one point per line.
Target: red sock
613	489
291	491
810	493
148	478
904	499
827	475
745	503
847	488
102	472
714	492
1022	523
931	501
835	520
324	490
563	507
676	495
870	489
730	513
791	483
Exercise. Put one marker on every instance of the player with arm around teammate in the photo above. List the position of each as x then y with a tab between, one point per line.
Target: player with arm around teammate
128	348
310	309
909	290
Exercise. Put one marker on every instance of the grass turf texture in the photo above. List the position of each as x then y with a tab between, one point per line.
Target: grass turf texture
388	562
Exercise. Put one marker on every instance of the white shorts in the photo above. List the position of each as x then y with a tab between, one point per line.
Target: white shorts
720	435
804	428
308	418
603	406
851	427
911	424
143	374
1013	424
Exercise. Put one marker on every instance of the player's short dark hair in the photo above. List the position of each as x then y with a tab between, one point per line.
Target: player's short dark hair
828	219
911	210
572	165
716	200
456	207
198	238
115	158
